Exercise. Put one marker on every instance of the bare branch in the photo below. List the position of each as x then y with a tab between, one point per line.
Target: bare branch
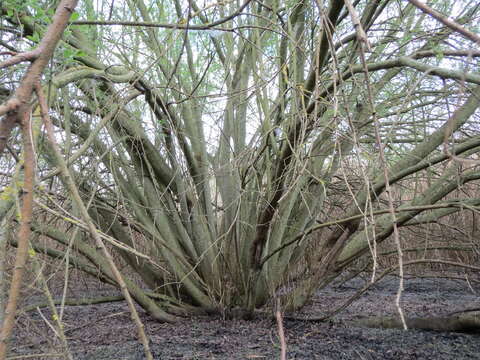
18	58
446	21
16	107
23	236
180	26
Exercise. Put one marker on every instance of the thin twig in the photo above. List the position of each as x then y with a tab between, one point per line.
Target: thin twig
388	189
446	21
179	26
367	286
281	333
86	217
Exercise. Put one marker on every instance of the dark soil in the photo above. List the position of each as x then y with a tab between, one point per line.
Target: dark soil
105	331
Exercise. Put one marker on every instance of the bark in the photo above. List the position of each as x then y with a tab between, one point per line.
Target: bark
3	255
17	106
23	236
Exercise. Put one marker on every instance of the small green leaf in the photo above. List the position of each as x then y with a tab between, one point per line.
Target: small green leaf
35	37
74	16
68	53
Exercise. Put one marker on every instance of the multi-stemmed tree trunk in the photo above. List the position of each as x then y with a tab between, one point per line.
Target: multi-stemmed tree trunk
235	152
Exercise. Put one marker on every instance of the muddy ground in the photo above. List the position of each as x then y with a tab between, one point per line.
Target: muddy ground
105	331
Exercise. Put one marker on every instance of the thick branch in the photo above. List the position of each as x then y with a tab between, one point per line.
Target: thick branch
23	236
17	106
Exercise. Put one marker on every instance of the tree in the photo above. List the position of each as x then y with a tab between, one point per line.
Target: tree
234	152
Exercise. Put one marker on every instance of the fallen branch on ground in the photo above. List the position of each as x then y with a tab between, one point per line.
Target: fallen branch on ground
465	321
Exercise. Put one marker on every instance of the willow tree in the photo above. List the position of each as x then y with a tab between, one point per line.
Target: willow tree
234	152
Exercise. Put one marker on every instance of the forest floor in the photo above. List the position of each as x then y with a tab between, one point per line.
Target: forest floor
105	331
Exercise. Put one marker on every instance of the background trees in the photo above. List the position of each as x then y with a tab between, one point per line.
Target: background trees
234	152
